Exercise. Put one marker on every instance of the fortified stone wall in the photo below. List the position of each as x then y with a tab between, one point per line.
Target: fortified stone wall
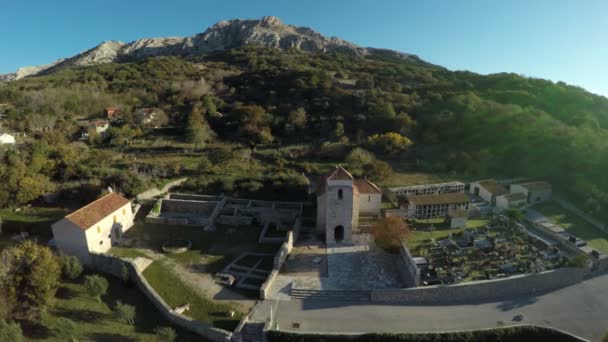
513	287
114	266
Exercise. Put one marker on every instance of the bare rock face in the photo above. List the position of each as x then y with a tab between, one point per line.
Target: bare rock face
267	31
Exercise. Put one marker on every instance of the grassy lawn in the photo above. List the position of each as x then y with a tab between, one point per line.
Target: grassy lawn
574	225
176	293
95	320
33	214
215	249
124	252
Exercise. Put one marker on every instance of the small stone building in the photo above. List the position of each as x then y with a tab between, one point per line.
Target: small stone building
340	200
513	200
534	191
488	190
95	227
457	218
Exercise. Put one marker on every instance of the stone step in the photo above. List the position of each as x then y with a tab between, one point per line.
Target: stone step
347	295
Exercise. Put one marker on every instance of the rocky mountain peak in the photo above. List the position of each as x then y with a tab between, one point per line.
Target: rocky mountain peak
268	31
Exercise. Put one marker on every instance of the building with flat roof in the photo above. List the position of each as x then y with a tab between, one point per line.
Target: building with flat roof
488	190
513	200
430	206
534	191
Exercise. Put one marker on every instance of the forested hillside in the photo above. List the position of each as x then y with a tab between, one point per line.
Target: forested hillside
253	117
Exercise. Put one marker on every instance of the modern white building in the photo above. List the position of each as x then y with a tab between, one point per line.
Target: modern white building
488	190
340	201
94	228
513	200
7	139
534	191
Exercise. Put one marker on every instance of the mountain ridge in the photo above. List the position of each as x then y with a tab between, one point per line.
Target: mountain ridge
268	31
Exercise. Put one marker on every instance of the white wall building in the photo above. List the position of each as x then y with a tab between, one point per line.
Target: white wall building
424	189
488	190
513	200
430	206
7	139
94	227
534	191
340	201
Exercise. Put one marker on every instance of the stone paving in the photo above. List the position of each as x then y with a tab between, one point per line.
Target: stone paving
359	266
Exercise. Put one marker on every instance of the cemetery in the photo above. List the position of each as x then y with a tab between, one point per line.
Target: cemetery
498	249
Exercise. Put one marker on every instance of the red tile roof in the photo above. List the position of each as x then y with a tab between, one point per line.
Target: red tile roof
94	212
445	198
339	173
366	187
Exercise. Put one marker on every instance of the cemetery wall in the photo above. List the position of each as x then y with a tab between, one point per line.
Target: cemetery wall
482	291
114	266
409	272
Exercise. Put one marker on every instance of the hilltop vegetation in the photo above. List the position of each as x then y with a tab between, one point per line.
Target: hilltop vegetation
253	117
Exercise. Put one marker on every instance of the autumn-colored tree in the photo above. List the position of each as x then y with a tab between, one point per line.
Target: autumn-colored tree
390	143
254	123
29	275
389	232
297	118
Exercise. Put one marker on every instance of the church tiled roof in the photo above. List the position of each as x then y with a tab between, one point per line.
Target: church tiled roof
362	186
94	212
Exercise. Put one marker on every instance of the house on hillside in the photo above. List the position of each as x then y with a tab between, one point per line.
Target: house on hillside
488	190
100	126
94	228
111	113
7	139
340	200
534	191
151	117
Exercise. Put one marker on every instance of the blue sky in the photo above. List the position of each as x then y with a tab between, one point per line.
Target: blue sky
560	40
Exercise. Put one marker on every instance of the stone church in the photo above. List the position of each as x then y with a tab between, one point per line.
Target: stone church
340	200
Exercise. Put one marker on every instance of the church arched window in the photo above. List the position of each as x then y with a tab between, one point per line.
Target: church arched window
339	193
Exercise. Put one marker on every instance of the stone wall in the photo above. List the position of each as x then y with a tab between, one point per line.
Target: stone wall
409	272
157	192
481	291
114	266
187	207
279	259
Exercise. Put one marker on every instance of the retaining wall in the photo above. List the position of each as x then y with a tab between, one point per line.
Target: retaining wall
114	266
279	259
409	272
488	290
156	192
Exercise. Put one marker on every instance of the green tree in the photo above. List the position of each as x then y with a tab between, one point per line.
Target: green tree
378	170
358	158
297	118
29	276
514	214
66	329
198	131
72	268
390	143
32	187
165	334
96	285
10	332
124	312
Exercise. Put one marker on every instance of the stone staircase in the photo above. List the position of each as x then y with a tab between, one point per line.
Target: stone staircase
337	295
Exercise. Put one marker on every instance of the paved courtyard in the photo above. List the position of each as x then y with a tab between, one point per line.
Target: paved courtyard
358	266
579	309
